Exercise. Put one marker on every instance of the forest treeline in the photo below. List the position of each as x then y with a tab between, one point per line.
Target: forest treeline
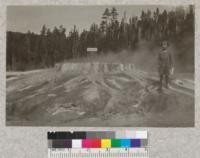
27	51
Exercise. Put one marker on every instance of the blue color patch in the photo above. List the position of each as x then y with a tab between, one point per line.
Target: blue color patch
135	143
125	143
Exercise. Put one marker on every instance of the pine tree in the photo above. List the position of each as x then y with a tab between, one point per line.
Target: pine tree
43	31
113	15
105	21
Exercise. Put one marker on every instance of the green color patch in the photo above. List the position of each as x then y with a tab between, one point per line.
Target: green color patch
115	143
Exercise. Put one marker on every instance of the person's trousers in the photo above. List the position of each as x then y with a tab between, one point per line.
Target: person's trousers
166	76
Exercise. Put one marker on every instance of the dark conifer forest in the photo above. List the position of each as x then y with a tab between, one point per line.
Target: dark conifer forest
28	51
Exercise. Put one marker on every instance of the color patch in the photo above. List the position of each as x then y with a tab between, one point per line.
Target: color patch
141	135
116	143
86	143
61	143
144	142
96	143
125	143
68	143
135	143
77	143
50	143
66	135
58	144
105	143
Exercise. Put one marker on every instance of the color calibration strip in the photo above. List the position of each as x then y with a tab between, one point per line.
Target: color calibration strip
99	144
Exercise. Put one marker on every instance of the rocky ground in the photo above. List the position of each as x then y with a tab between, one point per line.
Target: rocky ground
98	94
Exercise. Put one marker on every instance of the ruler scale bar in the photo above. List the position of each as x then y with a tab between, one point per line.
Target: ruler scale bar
97	153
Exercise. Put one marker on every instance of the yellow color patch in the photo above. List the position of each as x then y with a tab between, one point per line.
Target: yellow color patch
105	143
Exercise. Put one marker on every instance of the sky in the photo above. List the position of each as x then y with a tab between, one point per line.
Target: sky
24	18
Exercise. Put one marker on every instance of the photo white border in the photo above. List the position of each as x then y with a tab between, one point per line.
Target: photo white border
25	142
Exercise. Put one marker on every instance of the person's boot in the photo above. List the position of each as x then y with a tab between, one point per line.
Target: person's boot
167	81
160	86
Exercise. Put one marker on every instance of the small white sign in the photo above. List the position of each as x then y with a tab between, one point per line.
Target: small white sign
92	49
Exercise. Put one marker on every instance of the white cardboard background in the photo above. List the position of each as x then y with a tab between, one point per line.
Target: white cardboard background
31	142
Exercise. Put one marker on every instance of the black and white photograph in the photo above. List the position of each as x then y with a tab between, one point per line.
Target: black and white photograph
100	66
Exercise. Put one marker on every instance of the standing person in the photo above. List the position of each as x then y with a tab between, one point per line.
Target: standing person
164	65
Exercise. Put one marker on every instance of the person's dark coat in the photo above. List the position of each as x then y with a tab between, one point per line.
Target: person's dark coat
164	62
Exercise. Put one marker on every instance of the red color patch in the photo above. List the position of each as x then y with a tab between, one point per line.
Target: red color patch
96	143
